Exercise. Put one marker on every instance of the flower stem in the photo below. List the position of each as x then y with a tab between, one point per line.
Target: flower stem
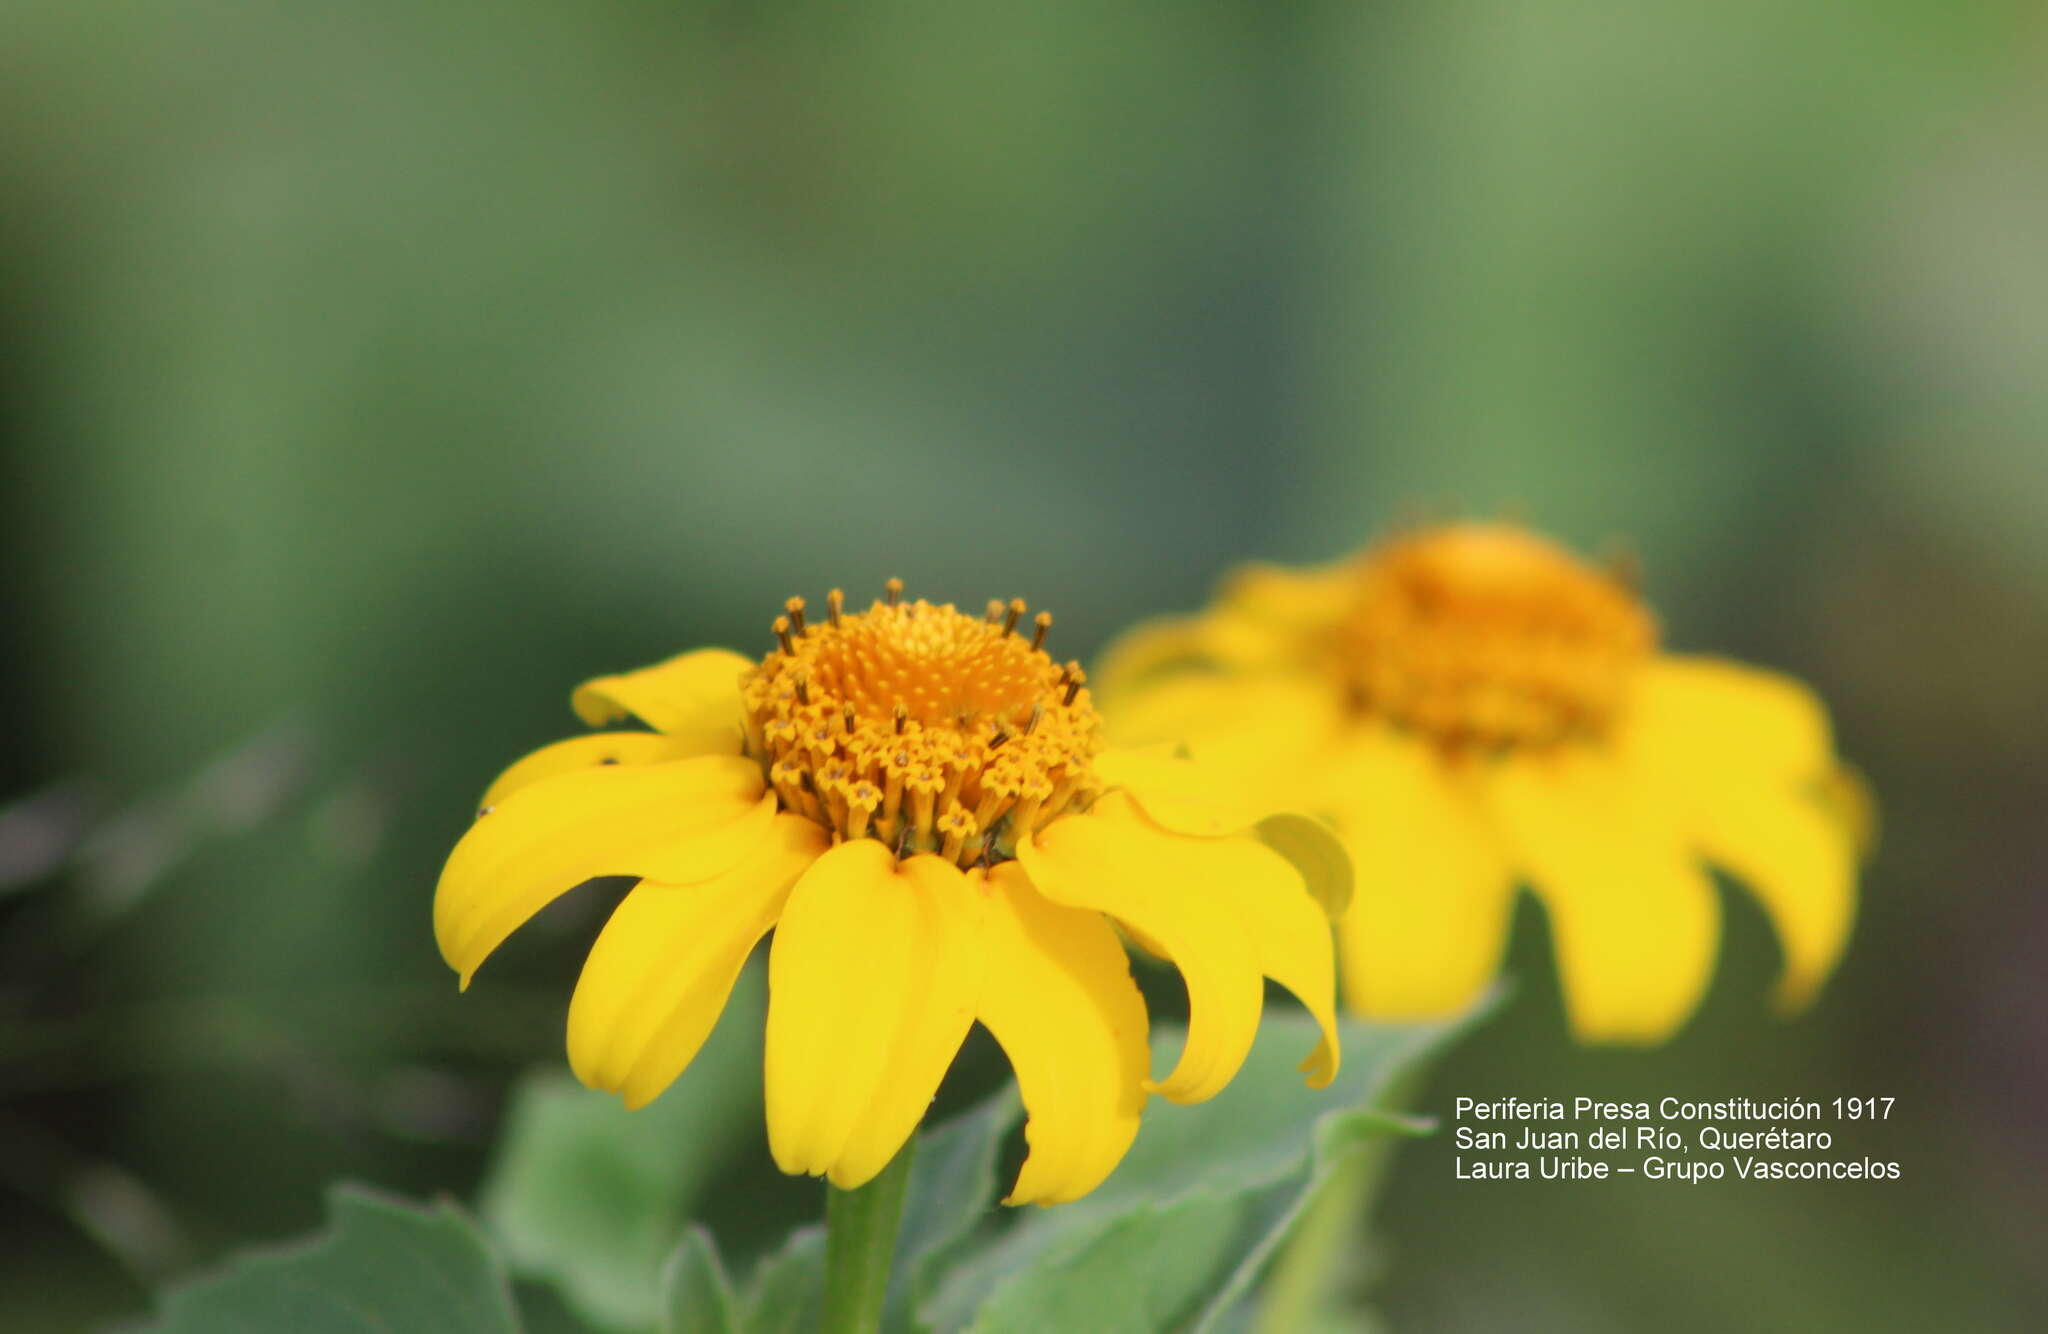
860	1243
1302	1279
1303	1283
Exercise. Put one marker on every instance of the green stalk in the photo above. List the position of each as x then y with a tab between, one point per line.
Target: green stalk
1300	1287
860	1244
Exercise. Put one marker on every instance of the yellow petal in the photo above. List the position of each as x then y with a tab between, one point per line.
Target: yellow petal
1290	935
1748	755
871	989
1633	913
1207	799
1299	598
1317	855
1846	796
585	752
1162	644
1187	894
1056	991
694	698
1792	850
1429	918
1258	731
1260	620
665	963
1713	713
1181	795
1800	865
682	821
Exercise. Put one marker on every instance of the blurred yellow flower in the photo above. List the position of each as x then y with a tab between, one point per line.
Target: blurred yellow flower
918	803
1473	707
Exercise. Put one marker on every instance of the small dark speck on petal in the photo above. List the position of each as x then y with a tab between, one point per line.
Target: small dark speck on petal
609	759
485	811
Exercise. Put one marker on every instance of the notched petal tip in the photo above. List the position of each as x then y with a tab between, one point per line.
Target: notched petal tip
661	974
1058	996
846	1178
790	1163
1189	894
1635	921
1321	1065
1194	1079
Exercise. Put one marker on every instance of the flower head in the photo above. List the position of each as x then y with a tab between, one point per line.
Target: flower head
923	728
1473	707
918	803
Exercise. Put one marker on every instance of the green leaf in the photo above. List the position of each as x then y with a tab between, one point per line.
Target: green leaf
1136	1273
591	1198
697	1297
787	1291
381	1267
1179	1233
952	1188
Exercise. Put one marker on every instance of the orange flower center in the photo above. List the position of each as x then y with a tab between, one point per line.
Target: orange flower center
921	726
1488	635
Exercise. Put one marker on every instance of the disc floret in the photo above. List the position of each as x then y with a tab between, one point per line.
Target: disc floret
1487	635
922	726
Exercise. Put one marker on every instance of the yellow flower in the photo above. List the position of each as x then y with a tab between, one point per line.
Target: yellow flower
1473	707
916	801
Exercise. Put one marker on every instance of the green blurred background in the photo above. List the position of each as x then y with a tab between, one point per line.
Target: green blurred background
371	374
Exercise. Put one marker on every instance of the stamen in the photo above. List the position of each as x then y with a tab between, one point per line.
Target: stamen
1044	623
835	601
929	730
956	827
